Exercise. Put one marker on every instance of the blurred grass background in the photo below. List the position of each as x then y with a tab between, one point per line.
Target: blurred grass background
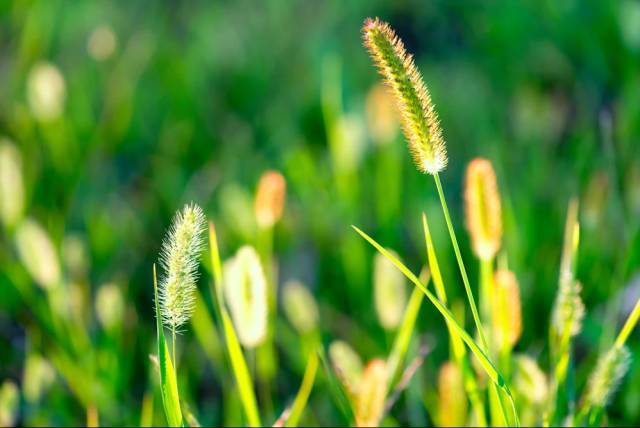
155	105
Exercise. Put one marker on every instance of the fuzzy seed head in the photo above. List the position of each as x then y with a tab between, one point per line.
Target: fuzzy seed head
507	311
300	307
38	254
452	395
418	115
347	365
11	184
606	377
390	293
568	310
179	259
245	288
482	208
529	380
371	394
270	198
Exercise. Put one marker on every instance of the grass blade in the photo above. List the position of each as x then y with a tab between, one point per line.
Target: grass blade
336	388
305	390
489	368
168	381
238	362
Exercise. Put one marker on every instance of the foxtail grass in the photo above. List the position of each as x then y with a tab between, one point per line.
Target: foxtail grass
422	131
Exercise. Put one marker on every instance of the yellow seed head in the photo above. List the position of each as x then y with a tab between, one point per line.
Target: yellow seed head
270	198
452	396
381	114
179	259
418	116
482	207
245	288
9	403
371	394
507	312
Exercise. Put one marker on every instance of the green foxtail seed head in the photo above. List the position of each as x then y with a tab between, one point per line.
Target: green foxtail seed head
372	392
452	410
38	376
245	290
482	208
347	364
418	115
109	306
46	91
179	260
606	377
11	184
300	307
38	254
270	198
390	293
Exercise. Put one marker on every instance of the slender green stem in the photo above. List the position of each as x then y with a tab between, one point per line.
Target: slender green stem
463	271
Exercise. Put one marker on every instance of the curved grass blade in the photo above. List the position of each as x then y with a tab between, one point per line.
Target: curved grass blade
489	368
305	390
238	363
168	381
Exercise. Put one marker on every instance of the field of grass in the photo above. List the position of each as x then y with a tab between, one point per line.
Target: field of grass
286	213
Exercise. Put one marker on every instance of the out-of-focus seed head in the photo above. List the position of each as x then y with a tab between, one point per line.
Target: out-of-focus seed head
371	394
507	308
38	254
347	365
46	91
452	395
179	260
109	305
300	307
270	198
418	115
482	208
245	288
529	380
606	377
381	114
9	403
390	293
568	310
11	184
37	377
102	43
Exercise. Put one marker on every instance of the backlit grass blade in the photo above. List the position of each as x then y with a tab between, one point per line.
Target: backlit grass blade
403	336
168	382
238	363
305	390
448	316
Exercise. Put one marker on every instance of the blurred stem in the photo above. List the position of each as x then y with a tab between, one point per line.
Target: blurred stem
486	294
173	347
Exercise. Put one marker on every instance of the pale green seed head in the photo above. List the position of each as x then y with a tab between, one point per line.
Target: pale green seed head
300	307
11	184
38	254
245	289
606	377
179	260
529	380
109	305
347	364
390	292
